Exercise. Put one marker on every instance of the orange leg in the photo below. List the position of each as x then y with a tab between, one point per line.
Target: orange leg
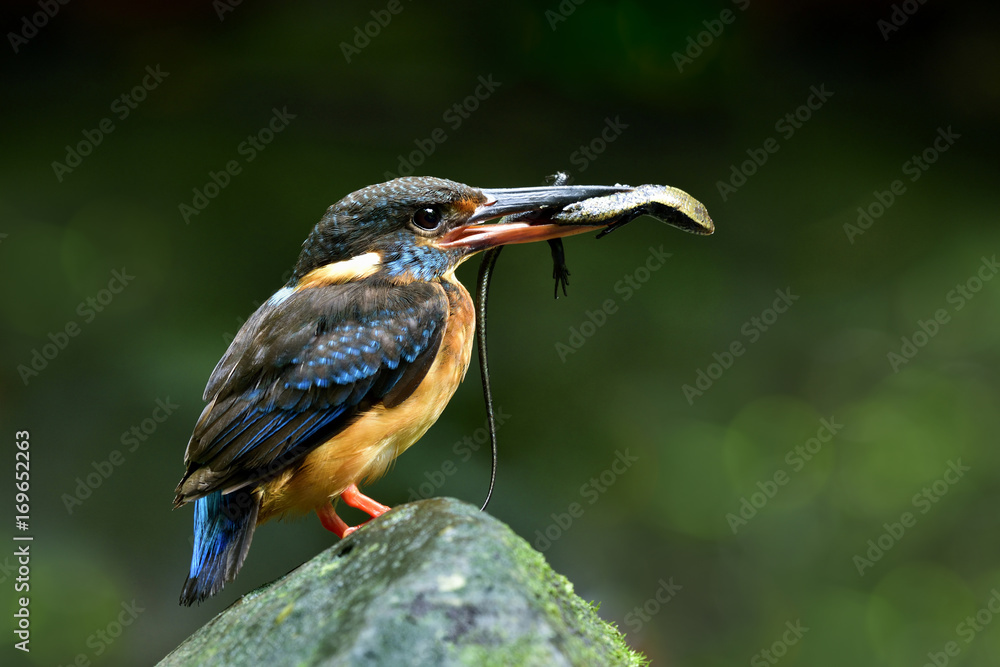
352	496
327	514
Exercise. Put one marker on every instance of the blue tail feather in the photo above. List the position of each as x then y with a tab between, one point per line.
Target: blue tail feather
223	529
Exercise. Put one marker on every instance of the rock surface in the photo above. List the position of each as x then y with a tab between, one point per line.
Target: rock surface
435	582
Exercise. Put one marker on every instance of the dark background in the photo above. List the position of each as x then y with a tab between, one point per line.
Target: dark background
663	520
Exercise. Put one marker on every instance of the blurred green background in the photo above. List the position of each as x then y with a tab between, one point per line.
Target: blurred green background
798	556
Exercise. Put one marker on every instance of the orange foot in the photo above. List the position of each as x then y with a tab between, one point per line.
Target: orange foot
327	513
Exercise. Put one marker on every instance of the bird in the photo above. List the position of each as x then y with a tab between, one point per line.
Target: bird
351	361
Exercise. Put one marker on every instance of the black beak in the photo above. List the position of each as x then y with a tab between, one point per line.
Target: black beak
541	201
510	201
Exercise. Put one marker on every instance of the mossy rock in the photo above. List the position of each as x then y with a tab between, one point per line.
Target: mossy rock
435	582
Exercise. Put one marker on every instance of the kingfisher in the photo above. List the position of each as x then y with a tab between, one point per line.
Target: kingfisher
349	363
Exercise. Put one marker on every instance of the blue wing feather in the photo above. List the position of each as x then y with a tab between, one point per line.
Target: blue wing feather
299	368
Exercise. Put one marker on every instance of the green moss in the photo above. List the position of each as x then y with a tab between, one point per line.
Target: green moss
436	582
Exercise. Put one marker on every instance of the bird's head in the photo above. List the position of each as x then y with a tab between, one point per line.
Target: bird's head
421	228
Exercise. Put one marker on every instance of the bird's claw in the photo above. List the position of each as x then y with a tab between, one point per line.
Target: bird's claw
352	496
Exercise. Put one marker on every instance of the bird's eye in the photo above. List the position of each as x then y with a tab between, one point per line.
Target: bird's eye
427	218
